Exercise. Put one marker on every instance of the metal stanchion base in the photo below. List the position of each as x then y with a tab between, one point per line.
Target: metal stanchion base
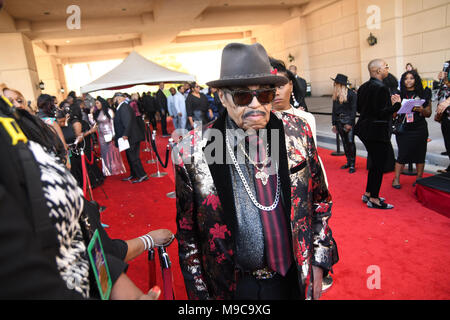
336	153
158	174
410	171
171	195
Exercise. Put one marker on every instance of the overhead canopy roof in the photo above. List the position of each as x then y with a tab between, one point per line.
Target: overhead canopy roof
135	70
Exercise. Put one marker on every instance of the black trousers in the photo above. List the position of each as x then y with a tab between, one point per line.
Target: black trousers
164	122
152	119
445	128
134	160
277	288
348	140
378	152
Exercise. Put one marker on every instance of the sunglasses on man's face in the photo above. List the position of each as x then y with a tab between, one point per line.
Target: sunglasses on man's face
243	98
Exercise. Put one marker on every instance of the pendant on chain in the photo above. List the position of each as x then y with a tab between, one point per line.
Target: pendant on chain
262	176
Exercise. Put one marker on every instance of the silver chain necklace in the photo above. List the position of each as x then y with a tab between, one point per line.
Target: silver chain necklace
247	187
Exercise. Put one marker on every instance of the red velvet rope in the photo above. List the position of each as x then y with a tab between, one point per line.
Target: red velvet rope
167	281
86	181
92	154
151	269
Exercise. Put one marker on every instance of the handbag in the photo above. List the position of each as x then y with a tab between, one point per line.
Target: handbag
345	119
398	127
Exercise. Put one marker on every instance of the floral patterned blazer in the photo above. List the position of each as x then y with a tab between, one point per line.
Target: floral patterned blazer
206	215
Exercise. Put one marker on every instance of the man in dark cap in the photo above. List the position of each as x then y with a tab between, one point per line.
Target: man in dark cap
252	202
127	128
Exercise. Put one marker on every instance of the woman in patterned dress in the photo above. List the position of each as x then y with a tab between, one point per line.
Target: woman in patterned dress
112	163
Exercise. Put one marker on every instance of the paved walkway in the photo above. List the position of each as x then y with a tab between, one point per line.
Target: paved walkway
327	139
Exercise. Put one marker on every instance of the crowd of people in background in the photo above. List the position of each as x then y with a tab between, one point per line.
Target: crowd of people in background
90	120
412	136
82	122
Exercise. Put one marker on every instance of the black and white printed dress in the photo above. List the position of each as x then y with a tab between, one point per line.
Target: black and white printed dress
65	201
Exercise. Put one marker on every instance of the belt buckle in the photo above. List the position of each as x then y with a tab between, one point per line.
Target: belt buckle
263	274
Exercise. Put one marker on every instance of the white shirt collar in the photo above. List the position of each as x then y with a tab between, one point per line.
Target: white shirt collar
120	105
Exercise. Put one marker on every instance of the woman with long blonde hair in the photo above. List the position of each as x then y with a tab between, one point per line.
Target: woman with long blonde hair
16	98
343	118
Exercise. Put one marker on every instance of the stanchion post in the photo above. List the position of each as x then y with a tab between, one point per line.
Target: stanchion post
410	171
147	149
338	151
171	195
152	159
158	174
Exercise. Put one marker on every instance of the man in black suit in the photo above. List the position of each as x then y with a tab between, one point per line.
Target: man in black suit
161	102
375	106
126	127
302	85
150	109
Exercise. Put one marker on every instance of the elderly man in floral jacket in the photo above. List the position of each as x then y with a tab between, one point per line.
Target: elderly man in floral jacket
252	225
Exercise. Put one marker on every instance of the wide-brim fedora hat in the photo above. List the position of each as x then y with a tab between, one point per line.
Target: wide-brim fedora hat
244	65
341	78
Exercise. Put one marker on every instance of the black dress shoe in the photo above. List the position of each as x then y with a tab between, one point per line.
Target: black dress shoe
144	178
345	166
383	205
351	170
129	178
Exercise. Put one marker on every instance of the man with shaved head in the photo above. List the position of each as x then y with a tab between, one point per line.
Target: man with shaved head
375	106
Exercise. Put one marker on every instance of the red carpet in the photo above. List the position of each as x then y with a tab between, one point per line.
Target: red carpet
409	244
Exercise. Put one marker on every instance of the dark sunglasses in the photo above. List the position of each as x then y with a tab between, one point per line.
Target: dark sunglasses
244	97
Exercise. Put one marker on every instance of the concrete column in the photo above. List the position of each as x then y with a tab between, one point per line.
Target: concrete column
17	65
52	74
303	65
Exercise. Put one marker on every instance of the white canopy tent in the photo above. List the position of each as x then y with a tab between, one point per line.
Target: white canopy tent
136	70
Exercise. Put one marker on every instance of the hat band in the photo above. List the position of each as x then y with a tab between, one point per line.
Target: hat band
247	76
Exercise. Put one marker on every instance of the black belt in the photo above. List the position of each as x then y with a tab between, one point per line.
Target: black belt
261	274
